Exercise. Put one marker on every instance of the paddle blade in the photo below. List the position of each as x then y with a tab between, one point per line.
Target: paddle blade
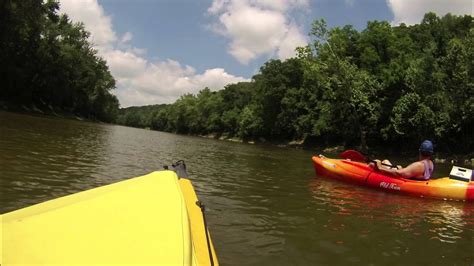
353	155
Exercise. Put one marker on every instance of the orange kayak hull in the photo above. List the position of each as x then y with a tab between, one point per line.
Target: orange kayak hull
361	174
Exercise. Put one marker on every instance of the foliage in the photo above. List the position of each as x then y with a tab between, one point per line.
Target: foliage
48	62
383	86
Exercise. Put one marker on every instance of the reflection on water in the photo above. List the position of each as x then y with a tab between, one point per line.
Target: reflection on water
42	158
448	219
264	204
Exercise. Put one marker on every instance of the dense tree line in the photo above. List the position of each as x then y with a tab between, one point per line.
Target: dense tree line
47	62
384	86
138	116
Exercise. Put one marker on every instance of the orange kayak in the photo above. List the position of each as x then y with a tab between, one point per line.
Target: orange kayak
361	174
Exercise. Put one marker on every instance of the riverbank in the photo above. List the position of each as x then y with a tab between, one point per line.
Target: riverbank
466	160
297	144
44	111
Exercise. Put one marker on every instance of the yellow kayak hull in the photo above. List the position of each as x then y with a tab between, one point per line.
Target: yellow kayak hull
152	219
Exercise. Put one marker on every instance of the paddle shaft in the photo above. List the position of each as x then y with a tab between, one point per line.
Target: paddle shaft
358	156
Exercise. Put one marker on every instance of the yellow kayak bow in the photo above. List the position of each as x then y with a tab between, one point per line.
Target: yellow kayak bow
151	219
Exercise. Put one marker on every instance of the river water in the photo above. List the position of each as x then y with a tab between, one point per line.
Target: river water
265	206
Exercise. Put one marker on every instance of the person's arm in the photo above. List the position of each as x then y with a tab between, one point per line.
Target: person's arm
412	170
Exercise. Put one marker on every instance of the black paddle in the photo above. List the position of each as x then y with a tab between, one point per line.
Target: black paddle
354	155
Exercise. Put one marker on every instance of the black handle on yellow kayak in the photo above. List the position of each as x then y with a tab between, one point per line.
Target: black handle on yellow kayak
203	209
179	167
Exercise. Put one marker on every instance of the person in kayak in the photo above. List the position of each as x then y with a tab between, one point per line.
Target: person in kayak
419	170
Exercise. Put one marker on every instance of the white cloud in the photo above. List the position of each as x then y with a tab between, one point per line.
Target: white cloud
350	2
258	27
280	5
217	6
94	18
215	78
139	80
165	81
126	37
293	36
253	32
412	12
125	64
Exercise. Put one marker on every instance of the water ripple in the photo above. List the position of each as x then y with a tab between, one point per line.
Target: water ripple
264	204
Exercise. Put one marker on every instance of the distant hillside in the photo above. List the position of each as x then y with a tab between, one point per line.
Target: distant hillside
138	116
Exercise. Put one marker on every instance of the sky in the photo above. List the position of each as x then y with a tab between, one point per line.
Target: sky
158	50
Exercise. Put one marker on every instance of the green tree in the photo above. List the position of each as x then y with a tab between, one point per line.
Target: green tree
383	86
49	62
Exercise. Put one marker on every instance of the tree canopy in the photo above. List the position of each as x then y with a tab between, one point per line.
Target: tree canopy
48	62
386	86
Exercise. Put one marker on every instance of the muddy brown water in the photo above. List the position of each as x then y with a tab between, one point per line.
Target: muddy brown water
265	206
